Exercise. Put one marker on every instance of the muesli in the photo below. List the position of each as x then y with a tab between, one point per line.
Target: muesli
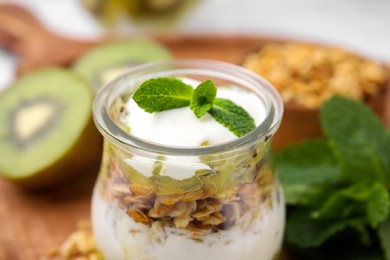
309	74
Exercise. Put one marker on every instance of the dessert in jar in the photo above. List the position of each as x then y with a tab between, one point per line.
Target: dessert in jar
173	186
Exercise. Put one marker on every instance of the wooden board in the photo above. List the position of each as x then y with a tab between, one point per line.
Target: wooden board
33	222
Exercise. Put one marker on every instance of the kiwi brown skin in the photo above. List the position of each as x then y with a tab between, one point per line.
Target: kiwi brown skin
84	156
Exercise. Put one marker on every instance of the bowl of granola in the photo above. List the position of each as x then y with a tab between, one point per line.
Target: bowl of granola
306	75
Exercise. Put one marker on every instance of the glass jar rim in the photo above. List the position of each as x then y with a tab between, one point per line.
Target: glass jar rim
118	136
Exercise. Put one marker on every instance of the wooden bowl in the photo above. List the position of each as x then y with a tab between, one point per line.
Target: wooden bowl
300	123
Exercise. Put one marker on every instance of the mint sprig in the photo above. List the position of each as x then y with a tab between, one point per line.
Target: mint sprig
337	189
160	94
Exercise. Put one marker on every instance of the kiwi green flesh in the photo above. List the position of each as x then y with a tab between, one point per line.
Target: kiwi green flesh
127	52
82	159
225	176
61	104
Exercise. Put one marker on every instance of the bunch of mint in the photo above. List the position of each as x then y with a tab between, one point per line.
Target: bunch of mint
337	189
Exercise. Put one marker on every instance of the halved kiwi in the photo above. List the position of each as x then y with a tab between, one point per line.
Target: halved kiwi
47	129
106	61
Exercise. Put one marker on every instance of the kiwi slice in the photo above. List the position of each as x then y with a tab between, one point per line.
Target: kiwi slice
47	129
103	63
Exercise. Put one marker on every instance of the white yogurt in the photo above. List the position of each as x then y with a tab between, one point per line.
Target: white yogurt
180	126
119	237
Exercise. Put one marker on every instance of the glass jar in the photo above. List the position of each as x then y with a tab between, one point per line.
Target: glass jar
155	201
140	15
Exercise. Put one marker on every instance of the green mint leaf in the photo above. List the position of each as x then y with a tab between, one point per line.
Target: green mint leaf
316	197
161	94
232	116
203	98
304	232
344	202
369	202
360	139
384	237
303	166
378	205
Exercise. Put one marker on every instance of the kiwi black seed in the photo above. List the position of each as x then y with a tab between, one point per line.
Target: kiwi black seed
106	61
48	132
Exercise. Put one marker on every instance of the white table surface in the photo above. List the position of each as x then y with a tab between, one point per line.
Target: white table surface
360	25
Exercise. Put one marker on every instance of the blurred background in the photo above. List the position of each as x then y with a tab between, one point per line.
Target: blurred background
360	25
59	32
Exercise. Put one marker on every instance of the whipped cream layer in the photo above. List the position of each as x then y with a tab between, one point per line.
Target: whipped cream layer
180	126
